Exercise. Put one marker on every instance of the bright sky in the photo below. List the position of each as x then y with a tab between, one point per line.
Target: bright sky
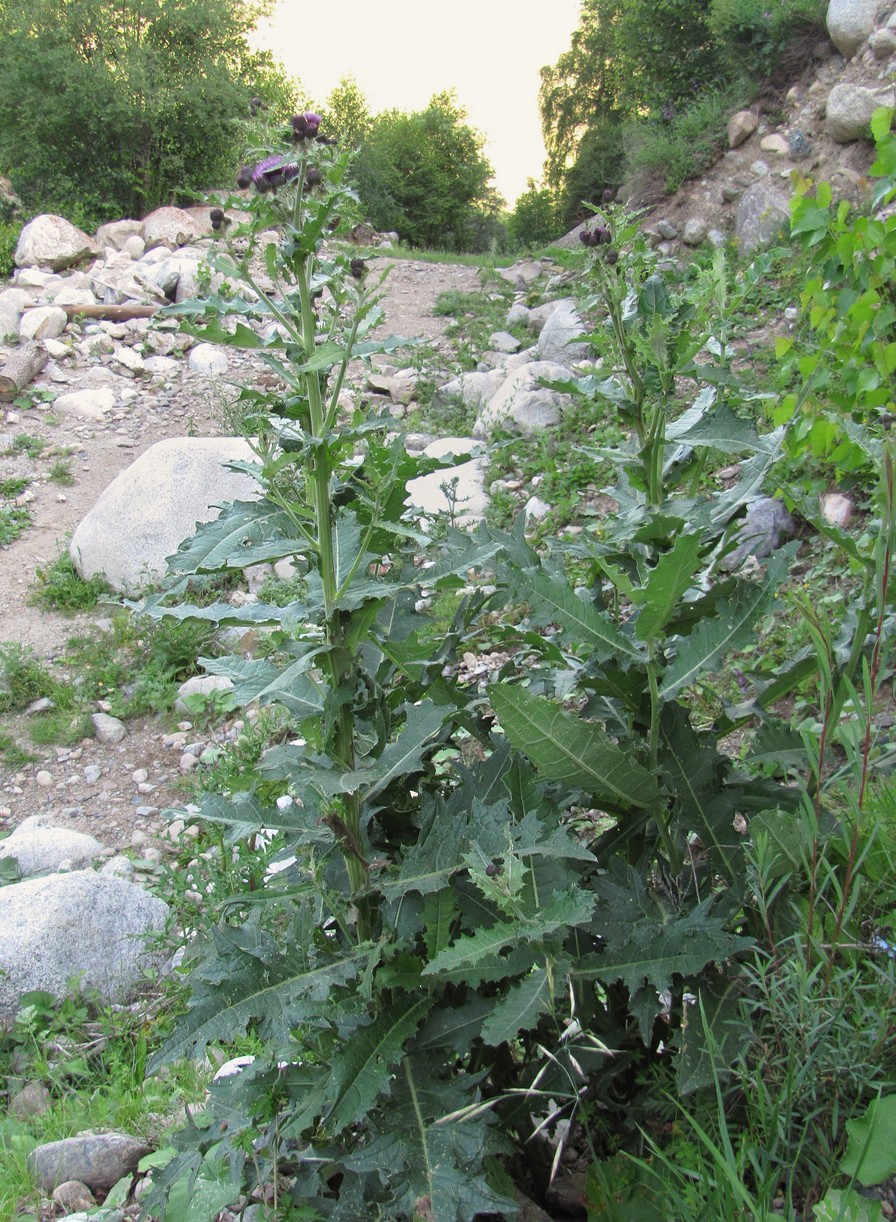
401	52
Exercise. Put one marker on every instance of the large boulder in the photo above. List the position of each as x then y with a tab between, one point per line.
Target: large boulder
172	227
560	338
51	241
849	109
850	22
41	849
762	212
115	234
154	504
98	1160
522	404
457	491
81	929
474	389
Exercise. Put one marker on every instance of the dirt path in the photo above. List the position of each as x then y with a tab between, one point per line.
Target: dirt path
117	792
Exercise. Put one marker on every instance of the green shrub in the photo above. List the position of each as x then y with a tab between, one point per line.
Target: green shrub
670	152
535	220
756	34
9	236
598	167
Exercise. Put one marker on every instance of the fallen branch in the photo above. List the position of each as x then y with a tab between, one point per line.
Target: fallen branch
22	365
112	313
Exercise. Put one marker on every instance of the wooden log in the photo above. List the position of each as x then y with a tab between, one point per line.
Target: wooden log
22	364
112	313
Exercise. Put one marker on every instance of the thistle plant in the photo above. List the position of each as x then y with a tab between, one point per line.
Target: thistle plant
418	926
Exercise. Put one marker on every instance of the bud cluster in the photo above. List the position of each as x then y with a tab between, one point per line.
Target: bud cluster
600	235
305	126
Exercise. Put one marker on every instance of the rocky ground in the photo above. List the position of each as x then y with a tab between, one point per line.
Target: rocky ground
117	791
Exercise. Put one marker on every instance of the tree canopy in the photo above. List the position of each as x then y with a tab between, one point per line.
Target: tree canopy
110	107
424	174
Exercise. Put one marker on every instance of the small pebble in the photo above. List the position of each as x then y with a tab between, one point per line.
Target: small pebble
44	778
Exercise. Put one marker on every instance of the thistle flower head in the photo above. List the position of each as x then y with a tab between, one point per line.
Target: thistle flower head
217	218
313	177
272	172
306	125
244	178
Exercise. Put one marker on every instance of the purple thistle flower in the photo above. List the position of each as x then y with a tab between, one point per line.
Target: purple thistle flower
272	173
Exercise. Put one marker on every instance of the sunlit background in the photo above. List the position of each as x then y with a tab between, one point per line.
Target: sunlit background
402	52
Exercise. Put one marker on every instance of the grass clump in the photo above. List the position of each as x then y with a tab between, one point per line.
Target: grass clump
61	588
27	443
671	152
90	1058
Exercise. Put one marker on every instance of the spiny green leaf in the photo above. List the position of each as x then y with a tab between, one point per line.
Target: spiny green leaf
671	577
566	749
439	912
648	953
734	626
564	911
403	755
694	771
363	1071
523	1004
244	533
722	430
552	600
245	977
262	680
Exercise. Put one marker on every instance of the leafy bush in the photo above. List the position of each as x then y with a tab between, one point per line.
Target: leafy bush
534	220
9	237
424	175
846	346
670	152
756	34
149	107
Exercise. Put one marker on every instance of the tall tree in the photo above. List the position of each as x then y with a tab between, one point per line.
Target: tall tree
113	106
627	58
424	174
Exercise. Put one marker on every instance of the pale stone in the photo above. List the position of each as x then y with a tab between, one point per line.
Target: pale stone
522	403
559	340
51	241
153	505
849	23
740	127
170	227
98	1160
108	729
695	231
458	490
208	360
44	322
86	404
201	685
66	927
40	849
115	234
775	143
849	109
